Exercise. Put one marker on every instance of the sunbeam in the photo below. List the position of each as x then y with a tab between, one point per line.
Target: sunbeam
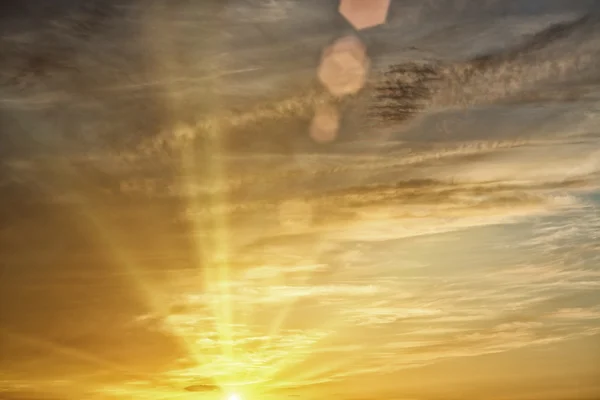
258	199
69	352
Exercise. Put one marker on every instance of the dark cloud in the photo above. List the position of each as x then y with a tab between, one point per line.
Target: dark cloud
78	80
202	388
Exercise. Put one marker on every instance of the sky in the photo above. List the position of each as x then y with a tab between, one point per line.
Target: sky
190	210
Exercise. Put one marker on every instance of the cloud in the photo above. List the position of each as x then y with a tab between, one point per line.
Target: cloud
305	293
202	388
576	314
420	316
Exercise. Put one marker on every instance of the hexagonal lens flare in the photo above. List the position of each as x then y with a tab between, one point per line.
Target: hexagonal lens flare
363	14
344	66
325	124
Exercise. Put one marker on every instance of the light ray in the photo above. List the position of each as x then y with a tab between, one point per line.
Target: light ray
211	227
67	351
92	214
280	319
314	372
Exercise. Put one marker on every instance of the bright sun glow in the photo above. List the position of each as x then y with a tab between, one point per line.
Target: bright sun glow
234	396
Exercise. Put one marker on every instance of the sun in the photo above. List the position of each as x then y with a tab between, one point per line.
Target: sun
234	396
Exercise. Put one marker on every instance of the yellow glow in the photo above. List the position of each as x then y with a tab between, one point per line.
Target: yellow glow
234	396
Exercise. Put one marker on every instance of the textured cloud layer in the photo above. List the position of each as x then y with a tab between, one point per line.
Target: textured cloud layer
171	229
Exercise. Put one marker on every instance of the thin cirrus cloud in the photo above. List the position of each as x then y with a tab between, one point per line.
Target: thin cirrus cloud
477	311
398	309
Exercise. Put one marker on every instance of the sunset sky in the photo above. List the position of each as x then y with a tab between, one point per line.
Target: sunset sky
175	225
